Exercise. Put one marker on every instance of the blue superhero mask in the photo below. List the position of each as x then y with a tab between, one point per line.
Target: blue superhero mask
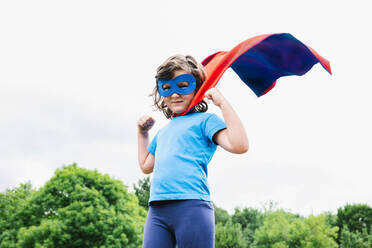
183	84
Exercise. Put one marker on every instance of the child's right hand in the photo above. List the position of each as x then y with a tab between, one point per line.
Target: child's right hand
145	123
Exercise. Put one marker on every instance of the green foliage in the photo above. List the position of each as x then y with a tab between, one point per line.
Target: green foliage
331	218
356	217
80	208
250	219
229	235
12	203
220	215
274	231
142	191
355	239
285	230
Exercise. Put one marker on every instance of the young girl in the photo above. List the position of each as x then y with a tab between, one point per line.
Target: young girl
180	206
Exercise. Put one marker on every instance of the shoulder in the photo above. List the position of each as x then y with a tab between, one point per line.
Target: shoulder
199	118
196	119
202	115
212	123
211	117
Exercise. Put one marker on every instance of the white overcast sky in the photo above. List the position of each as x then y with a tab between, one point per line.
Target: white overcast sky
75	77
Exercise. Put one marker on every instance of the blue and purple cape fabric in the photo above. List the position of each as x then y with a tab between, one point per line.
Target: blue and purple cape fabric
259	62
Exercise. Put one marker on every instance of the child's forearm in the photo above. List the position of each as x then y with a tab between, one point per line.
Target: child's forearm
145	159
235	131
143	142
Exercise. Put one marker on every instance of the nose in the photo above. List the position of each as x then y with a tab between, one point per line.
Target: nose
175	94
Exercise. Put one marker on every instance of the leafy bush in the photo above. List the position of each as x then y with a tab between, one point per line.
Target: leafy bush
355	239
142	191
285	230
229	235
250	219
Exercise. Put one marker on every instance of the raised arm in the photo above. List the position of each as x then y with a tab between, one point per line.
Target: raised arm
145	159
233	138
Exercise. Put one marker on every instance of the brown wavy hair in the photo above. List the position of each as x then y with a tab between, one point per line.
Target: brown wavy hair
166	71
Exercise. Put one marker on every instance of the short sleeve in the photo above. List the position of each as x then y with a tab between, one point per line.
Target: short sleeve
212	125
152	147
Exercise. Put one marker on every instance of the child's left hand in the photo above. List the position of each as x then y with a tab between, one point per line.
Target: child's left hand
216	96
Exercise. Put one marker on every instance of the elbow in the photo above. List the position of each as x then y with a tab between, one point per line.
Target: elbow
147	165
240	145
243	148
238	148
146	170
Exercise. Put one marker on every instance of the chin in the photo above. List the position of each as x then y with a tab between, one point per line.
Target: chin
179	111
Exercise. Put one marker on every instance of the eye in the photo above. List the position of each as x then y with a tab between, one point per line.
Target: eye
166	86
183	85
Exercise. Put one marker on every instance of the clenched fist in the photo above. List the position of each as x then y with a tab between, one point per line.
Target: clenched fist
216	96
145	123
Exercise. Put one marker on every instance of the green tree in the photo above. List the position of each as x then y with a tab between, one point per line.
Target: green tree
355	239
331	218
250	219
12	203
356	217
142	191
274	231
80	208
285	230
220	215
229	235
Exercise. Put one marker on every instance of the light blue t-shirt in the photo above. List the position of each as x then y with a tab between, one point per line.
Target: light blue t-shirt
182	151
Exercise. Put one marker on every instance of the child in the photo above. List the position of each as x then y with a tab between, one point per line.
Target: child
180	206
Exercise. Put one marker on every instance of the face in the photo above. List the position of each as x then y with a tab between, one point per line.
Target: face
176	102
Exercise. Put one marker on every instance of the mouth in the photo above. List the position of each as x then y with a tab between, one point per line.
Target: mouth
177	101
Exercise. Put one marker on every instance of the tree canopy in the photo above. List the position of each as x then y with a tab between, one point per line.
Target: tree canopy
355	216
142	191
75	208
285	230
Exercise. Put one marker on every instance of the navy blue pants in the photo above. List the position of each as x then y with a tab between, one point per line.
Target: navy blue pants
187	223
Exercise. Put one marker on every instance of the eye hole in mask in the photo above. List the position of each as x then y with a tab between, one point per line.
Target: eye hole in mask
166	86
183	84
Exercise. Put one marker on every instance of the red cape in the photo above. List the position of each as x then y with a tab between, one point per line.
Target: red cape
259	62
